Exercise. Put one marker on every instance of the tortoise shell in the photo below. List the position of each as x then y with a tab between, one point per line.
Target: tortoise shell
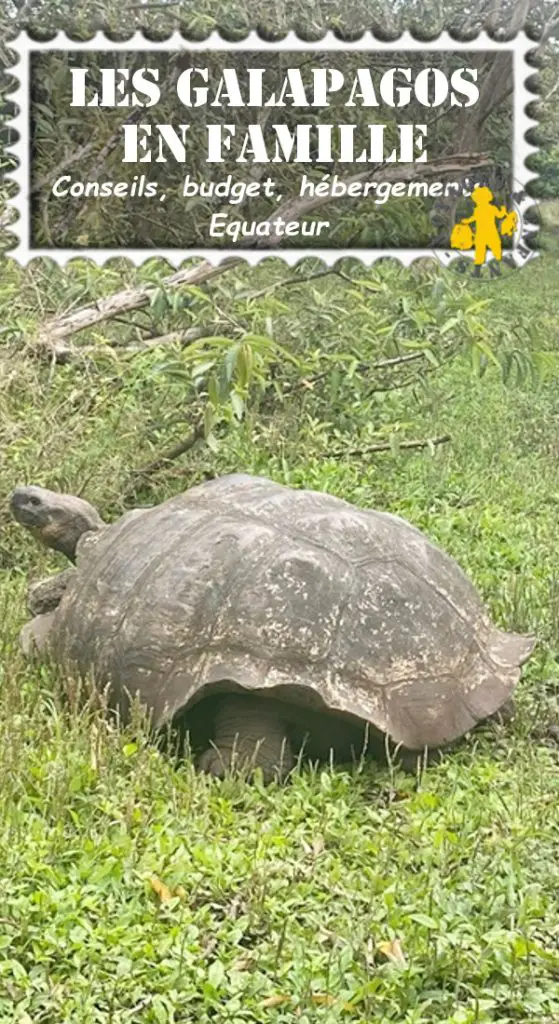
244	581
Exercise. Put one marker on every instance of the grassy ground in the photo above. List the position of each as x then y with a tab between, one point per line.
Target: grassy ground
550	212
134	891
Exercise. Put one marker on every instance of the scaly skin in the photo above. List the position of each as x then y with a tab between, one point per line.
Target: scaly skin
56	520
248	736
45	596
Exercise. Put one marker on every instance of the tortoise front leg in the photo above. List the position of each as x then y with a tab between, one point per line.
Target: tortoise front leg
248	734
45	596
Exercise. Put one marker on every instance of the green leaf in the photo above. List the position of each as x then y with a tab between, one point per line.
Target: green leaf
209	420
237	404
212	442
244	364
159	304
230	361
214	391
201	369
425	920
198	293
216	974
487	351
448	326
476	360
431	357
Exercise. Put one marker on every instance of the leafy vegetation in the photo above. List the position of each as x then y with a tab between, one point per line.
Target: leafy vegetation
460	144
135	890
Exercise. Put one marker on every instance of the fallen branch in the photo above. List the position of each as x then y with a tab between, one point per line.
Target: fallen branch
63	353
126	301
287	282
296	209
397	360
182	338
170	454
74	211
364	368
130	299
67	161
386	446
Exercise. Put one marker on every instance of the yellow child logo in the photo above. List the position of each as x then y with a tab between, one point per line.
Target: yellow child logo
488	233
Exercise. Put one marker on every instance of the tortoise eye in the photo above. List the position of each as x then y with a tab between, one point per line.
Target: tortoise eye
34	501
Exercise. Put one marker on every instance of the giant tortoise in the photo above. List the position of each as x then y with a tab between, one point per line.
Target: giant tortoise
290	615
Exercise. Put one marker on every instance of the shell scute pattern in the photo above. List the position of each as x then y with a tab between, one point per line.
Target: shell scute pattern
246	580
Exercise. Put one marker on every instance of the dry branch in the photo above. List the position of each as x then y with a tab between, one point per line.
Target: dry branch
410	357
67	161
295	209
131	299
126	301
68	353
197	433
386	446
381	364
170	454
286	283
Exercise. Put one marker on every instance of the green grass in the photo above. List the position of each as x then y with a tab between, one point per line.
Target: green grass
550	213
284	901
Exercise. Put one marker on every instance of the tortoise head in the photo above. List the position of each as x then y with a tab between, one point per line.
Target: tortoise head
56	520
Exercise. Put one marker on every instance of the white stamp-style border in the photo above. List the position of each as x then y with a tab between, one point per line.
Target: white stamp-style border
23	45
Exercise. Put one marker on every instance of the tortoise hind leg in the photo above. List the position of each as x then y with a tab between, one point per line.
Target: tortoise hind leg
248	733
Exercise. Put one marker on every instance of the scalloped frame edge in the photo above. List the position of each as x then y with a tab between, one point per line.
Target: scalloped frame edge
23	45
